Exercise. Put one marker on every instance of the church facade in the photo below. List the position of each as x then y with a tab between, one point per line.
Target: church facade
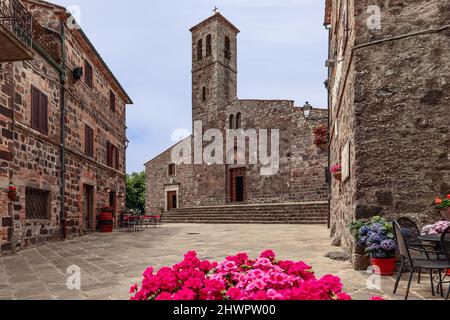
299	183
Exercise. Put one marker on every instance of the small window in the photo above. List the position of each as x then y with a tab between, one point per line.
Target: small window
37	204
112	101
200	50
171	170
231	122
89	142
227	48
88	77
112	156
208	45
204	94
39	111
238	121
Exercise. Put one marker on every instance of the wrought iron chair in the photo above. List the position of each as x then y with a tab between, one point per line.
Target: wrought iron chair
416	263
411	233
445	246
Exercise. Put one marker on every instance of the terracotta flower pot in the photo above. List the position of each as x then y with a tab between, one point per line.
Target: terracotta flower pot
323	146
446	214
338	175
384	267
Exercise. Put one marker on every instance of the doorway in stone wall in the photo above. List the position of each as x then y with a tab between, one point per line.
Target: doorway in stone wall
237	185
113	203
88	207
172	200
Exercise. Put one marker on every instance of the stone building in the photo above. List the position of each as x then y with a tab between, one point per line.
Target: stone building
63	131
228	191
389	104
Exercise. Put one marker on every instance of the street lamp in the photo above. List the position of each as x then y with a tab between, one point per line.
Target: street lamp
307	109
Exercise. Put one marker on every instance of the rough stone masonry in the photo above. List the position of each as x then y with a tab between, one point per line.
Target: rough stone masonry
389	101
32	146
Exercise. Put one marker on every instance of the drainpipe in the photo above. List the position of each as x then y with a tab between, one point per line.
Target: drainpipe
62	80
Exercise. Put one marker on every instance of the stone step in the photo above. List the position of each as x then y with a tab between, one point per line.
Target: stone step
296	213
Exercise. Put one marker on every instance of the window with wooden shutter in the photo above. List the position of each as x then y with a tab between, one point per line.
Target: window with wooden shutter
112	158
88	74
112	101
89	142
39	111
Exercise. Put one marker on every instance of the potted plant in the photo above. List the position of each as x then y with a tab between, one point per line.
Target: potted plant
12	193
444	206
320	137
377	237
336	171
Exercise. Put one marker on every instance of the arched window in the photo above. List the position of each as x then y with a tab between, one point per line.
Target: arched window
227	48
204	94
200	50
231	124
238	121
208	45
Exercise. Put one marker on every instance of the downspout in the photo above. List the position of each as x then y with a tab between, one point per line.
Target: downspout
330	181
62	80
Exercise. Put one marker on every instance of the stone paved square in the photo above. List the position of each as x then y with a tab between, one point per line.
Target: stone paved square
111	263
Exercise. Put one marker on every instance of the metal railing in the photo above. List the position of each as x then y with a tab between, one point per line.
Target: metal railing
17	20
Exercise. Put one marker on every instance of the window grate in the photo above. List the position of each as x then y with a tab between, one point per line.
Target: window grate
37	204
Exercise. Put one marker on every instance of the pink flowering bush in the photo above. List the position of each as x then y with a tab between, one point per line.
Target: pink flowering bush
238	278
436	228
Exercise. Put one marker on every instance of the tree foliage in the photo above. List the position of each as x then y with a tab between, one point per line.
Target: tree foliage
136	191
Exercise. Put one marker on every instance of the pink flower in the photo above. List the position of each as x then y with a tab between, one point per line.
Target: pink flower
269	254
165	296
148	272
376	298
333	283
343	296
184	295
134	288
235	294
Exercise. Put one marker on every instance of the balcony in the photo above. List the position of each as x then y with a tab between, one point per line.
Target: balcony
15	32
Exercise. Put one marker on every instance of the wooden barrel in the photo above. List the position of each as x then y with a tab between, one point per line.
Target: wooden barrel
105	222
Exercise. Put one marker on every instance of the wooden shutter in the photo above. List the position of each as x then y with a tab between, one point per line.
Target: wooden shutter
89	141
117	158
35	95
108	153
43	114
112	101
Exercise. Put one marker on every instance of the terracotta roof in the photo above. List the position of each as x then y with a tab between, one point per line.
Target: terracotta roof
213	17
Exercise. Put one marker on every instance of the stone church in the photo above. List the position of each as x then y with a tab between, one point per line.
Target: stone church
297	193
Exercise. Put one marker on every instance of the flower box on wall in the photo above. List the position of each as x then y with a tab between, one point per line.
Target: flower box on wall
336	171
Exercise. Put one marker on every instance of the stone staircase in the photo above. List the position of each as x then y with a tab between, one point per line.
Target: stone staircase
286	213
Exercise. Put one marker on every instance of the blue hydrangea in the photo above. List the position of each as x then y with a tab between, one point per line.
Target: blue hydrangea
388	245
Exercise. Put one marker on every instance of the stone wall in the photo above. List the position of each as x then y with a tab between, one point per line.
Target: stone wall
394	112
33	159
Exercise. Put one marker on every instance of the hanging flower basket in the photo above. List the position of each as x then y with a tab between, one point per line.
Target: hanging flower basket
12	193
443	205
336	171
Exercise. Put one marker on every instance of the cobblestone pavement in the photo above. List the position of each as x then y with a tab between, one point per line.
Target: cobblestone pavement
111	263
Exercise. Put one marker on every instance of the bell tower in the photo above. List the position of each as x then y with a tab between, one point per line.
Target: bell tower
214	67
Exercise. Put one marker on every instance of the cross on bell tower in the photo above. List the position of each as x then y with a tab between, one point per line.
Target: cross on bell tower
216	10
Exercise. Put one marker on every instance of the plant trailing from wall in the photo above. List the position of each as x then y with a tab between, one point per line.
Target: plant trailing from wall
12	192
321	136
336	171
377	237
443	204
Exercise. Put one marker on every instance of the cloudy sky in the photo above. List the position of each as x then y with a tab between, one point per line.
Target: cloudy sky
282	49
